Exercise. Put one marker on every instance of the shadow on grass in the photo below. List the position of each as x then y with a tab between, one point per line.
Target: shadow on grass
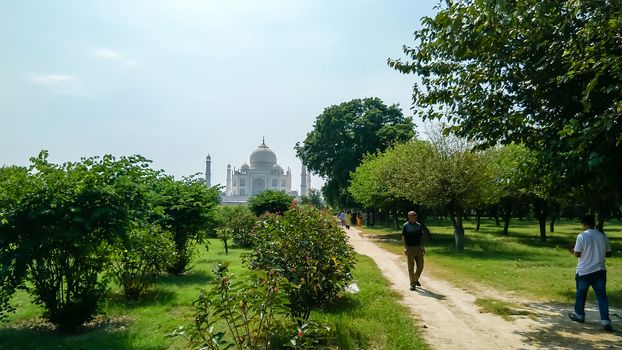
344	305
153	296
557	331
103	333
189	278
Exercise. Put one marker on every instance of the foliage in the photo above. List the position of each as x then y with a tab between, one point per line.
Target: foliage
138	258
369	184
518	178
14	185
305	246
188	213
543	73
371	319
224	234
56	227
441	173
241	221
250	309
343	134
270	201
314	198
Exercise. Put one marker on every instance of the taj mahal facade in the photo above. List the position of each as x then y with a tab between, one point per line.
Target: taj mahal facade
262	174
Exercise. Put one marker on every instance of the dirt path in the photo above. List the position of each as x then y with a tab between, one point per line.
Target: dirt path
450	320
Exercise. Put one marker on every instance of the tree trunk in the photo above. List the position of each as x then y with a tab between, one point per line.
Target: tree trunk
600	218
478	219
555	216
507	215
540	209
456	220
395	219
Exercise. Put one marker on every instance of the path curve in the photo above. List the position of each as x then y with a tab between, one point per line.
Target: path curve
449	319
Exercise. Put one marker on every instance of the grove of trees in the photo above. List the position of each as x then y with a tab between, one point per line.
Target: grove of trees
543	74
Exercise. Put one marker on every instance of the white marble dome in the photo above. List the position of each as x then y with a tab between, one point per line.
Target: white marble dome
262	174
263	157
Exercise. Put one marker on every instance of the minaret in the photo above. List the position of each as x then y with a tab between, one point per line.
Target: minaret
208	171
229	190
303	181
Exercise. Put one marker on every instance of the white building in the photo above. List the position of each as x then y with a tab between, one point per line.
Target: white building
262	174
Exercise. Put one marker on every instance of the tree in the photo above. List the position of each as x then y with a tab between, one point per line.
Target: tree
139	257
240	220
58	220
441	173
515	178
314	198
343	134
270	201
369	185
543	73
188	212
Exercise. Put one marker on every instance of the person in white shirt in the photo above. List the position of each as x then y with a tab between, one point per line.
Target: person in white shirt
591	247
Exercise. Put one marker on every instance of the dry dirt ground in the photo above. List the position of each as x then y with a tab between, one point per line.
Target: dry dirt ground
449	318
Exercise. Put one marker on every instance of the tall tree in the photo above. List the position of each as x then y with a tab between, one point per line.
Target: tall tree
343	134
544	73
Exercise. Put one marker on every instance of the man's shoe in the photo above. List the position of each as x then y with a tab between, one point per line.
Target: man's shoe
607	328
575	318
413	287
418	284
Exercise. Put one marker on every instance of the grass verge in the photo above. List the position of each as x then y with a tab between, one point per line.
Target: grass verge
370	319
519	263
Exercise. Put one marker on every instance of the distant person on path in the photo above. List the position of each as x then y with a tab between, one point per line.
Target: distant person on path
591	248
342	218
348	219
413	233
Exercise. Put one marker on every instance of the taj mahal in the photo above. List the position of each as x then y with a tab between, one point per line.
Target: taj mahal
262	174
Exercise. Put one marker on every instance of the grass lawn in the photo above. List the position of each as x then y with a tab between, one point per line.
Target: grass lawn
519	263
370	319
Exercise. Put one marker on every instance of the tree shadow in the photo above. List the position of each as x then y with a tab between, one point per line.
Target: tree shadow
189	278
345	304
157	296
556	331
101	333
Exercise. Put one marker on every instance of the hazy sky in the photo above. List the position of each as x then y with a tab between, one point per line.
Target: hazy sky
175	80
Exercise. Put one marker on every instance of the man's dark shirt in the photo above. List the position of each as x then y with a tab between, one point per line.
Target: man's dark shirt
413	233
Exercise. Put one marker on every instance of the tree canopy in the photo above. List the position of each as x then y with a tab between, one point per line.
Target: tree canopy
543	73
343	134
270	201
441	173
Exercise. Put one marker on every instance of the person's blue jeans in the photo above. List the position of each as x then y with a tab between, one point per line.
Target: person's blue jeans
598	281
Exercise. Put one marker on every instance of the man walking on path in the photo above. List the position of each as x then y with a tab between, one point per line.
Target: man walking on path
591	248
413	236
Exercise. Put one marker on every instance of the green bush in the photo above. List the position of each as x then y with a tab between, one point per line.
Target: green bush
139	258
275	202
56	225
305	246
240	313
241	221
187	208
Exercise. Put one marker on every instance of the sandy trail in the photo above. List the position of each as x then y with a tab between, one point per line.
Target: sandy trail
449	319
